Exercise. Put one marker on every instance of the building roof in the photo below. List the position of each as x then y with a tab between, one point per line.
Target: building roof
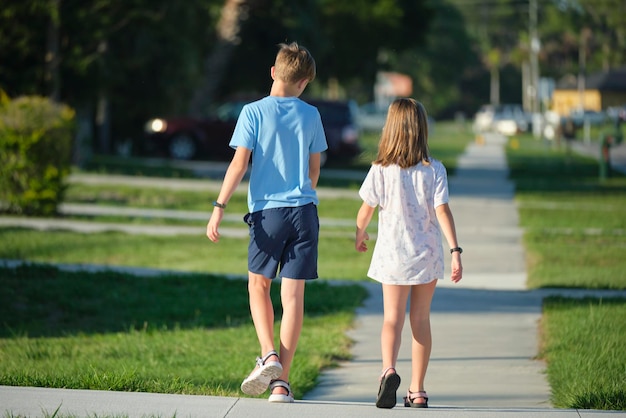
613	80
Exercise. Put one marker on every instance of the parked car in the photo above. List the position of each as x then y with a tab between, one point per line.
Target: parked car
186	137
192	138
617	113
340	126
507	119
372	117
580	116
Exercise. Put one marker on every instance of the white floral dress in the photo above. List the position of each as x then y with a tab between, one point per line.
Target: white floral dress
408	248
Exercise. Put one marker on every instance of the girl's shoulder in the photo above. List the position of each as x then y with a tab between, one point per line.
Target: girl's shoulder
436	164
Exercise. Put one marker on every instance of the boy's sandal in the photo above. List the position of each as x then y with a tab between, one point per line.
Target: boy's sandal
280	397
389	383
258	381
410	398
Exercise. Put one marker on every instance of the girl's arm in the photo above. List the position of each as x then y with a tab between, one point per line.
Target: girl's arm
363	219
446	221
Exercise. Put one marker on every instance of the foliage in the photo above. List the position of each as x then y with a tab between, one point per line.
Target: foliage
35	154
434	64
583	344
119	64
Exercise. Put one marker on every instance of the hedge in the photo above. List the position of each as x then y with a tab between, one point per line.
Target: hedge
35	154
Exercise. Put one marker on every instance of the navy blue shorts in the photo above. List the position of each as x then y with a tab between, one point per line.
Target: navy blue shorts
285	238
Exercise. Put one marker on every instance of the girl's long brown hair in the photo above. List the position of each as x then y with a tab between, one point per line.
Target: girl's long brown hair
404	140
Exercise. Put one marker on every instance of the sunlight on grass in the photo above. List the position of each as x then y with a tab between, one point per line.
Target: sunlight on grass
583	344
170	334
574	222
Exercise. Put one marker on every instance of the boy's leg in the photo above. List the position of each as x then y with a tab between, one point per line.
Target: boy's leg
262	311
421	298
292	297
394	303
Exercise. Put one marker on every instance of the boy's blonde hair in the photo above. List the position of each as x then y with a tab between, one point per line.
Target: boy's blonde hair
294	63
404	140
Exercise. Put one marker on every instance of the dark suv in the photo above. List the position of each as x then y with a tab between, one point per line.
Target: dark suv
188	138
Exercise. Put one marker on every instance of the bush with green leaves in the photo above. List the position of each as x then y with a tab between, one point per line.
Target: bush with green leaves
35	154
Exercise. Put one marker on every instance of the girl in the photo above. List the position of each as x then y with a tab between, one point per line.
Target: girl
410	188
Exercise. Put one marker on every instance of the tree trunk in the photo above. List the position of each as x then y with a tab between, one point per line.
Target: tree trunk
52	75
494	91
234	12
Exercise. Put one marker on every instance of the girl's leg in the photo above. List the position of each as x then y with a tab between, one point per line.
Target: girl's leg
262	311
394	307
421	298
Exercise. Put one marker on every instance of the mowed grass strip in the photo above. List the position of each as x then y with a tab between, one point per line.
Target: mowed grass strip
337	257
175	334
575	228
584	344
575	238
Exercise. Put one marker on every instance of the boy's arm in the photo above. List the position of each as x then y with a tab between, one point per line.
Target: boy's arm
235	172
314	168
446	221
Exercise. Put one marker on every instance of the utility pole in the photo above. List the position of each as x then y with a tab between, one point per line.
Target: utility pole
534	61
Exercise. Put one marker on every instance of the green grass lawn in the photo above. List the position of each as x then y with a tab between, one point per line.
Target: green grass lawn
174	334
584	343
575	237
575	228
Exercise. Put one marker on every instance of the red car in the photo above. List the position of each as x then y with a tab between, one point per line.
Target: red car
187	138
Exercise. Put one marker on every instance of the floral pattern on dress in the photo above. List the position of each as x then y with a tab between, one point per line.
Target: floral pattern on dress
408	248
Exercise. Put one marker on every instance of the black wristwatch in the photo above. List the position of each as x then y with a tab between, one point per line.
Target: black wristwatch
219	205
459	249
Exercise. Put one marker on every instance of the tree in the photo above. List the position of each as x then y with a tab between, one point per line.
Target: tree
232	16
344	57
439	65
495	26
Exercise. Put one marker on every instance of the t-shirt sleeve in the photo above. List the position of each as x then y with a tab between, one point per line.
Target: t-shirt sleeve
244	134
441	184
372	189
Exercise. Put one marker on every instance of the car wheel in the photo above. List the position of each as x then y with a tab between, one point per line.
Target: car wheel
182	147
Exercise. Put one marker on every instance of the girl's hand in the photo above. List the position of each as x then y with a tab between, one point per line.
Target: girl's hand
359	242
456	268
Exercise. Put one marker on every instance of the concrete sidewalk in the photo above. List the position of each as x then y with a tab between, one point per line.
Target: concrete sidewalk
41	402
484	334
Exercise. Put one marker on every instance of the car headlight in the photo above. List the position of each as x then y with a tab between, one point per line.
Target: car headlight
506	127
156	125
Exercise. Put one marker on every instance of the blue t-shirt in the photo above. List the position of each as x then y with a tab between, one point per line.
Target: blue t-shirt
282	132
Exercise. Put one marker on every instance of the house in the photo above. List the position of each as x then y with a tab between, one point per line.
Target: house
599	91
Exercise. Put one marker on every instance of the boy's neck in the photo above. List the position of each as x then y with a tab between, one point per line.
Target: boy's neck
282	89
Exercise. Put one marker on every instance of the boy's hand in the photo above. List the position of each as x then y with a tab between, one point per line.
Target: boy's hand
211	229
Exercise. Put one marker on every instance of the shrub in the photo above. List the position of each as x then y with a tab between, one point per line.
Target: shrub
35	154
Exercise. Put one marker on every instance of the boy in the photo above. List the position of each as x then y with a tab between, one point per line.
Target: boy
285	137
